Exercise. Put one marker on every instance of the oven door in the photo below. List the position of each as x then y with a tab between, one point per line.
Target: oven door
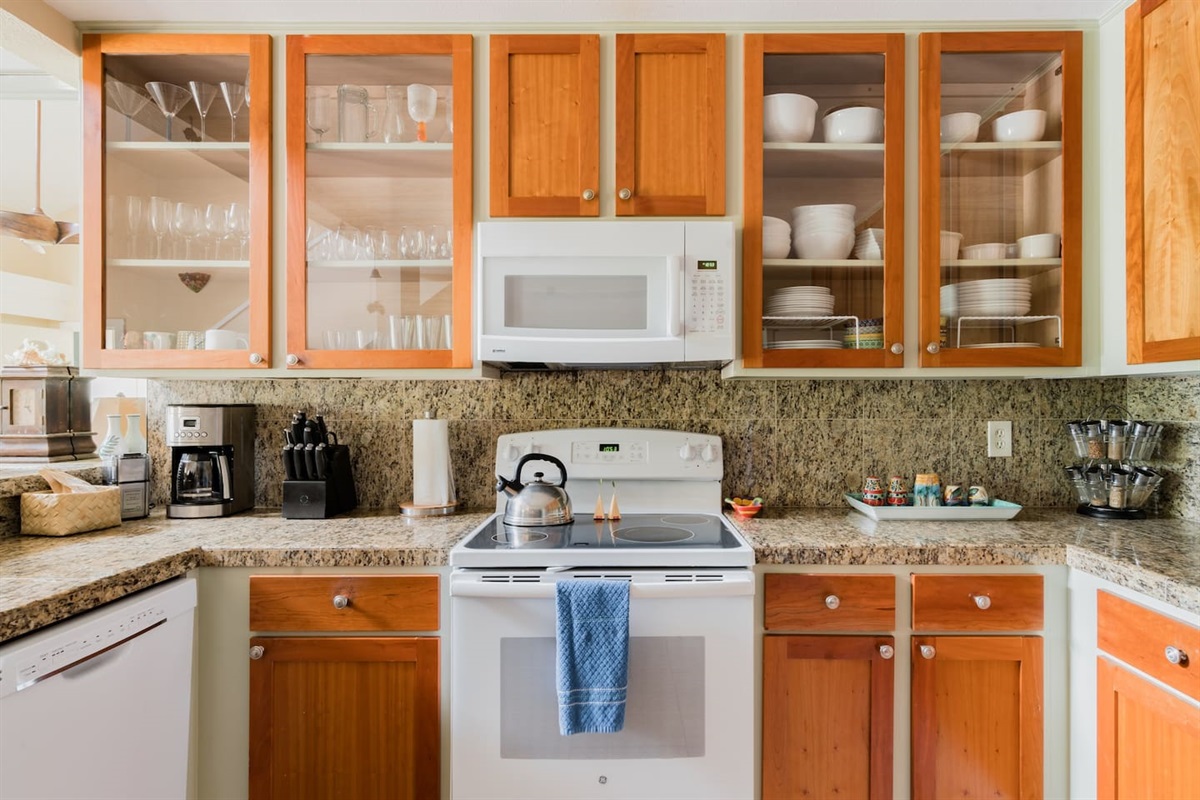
689	718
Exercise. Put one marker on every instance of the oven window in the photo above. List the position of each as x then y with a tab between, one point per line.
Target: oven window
664	710
576	302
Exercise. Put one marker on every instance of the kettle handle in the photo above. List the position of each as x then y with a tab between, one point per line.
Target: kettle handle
541	457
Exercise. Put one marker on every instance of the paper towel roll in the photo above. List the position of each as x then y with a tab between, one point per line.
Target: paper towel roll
432	482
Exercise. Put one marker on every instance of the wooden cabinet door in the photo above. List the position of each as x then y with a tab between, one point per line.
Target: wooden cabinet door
545	125
827	717
977	717
670	122
1148	739
342	717
1162	154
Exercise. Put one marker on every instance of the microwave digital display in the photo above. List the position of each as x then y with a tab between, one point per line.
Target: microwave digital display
706	265
610	448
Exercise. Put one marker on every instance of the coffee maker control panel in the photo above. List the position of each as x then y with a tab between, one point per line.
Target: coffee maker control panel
190	430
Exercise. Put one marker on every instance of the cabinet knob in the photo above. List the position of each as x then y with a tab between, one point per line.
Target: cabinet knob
292	359
832	601
934	348
898	347
1176	656
982	601
256	652
624	194
886	651
256	358
340	601
927	651
588	194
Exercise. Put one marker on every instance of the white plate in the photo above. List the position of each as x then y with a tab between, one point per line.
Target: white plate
805	344
999	509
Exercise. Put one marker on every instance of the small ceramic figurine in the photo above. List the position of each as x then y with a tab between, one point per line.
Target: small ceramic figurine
978	496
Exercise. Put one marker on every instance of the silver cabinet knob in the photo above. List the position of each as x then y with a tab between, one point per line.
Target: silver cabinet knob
256	358
886	651
256	652
982	601
340	601
832	601
588	194
1176	656
927	651
934	348
898	347
292	359
624	194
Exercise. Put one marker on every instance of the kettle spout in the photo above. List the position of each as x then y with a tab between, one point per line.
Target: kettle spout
510	488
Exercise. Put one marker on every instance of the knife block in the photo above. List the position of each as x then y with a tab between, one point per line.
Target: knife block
322	499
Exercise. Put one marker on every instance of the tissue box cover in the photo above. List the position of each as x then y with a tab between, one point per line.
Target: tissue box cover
50	514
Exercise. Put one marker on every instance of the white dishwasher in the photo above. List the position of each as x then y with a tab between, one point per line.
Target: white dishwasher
99	706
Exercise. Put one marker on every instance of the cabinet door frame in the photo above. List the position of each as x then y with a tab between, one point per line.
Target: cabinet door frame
932	46
257	47
586	49
757	47
459	48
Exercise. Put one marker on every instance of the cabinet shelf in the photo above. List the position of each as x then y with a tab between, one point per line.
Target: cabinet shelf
175	264
182	160
985	159
379	160
774	322
775	267
822	160
391	271
1019	266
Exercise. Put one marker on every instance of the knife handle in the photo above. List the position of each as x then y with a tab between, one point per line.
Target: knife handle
289	466
322	431
322	456
298	462
310	461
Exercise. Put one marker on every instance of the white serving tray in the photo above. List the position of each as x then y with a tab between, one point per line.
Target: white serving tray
999	509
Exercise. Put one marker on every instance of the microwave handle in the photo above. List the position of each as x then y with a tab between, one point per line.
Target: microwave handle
674	288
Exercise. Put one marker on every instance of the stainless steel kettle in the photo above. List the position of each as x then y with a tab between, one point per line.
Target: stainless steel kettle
539	502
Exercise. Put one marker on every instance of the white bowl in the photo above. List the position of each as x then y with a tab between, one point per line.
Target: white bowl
855	125
824	211
981	252
960	127
1020	126
788	117
951	241
776	225
1040	245
824	245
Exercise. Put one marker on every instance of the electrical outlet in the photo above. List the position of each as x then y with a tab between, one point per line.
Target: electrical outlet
999	438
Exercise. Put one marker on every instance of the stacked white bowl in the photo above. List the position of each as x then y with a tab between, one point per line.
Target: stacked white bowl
788	117
869	244
994	297
823	231
777	238
853	125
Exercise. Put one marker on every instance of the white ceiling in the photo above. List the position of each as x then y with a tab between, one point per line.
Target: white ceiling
543	12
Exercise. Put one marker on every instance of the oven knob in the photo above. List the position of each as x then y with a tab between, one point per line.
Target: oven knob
512	453
709	453
687	452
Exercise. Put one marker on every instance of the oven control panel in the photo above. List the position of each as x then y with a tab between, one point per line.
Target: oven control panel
616	453
608	452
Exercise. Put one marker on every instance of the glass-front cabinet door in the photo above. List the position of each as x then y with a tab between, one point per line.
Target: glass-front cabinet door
379	201
177	248
1000	188
823	246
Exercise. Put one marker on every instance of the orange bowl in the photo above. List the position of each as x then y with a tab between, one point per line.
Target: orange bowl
747	511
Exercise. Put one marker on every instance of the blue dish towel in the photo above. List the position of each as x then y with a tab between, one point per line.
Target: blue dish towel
592	655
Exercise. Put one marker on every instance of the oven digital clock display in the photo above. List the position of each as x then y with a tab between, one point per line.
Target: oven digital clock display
610	448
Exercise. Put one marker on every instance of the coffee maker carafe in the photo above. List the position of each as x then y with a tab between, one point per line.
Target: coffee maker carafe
212	459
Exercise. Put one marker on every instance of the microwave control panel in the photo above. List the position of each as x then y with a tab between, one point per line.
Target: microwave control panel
707	299
709	272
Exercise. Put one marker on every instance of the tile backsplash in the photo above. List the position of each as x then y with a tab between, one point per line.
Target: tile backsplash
795	442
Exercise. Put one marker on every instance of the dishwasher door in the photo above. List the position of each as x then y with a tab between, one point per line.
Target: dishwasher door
99	706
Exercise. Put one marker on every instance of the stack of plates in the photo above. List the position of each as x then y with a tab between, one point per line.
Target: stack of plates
949	300
870	335
800	301
869	244
804	344
996	297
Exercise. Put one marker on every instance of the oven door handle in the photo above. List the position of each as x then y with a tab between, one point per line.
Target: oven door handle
728	586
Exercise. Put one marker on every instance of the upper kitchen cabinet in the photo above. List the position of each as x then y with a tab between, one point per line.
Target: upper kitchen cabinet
670	125
177	200
1000	192
379	201
823	238
1162	206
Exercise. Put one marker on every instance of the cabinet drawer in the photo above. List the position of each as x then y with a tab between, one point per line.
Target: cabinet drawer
1140	637
371	603
830	602
977	602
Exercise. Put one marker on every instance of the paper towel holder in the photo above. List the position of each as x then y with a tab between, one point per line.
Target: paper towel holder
414	509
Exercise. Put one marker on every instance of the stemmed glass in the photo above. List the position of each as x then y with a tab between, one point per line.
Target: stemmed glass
203	94
235	96
238	225
188	223
320	111
159	216
170	100
450	110
214	225
135	210
422	106
128	99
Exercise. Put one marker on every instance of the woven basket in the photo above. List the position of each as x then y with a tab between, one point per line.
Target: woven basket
51	514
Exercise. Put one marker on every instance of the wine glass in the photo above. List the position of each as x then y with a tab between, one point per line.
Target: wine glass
320	110
159	214
214	226
170	100
450	110
128	99
203	95
238	225
188	224
235	96
135	210
422	105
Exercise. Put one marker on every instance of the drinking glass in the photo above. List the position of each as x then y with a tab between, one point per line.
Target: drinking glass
235	96
381	243
316	240
422	105
321	108
135	211
214	226
238	225
450	109
437	242
159	214
395	123
128	99
415	246
203	95
170	100
188	224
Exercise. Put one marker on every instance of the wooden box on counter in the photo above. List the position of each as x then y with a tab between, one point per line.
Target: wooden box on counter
45	414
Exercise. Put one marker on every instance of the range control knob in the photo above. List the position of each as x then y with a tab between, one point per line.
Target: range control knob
709	453
687	452
512	453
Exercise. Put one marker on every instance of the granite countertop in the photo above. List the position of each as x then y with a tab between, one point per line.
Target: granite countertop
44	580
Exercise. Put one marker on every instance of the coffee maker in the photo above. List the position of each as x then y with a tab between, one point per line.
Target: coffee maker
212	459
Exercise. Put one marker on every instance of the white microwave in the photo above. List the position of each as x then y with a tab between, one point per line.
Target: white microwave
566	294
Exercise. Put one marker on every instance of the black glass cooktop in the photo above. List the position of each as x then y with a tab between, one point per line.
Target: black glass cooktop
631	532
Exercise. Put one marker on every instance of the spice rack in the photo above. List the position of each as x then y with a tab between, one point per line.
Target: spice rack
1114	481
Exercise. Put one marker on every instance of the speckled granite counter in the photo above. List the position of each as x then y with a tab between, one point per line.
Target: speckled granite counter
43	580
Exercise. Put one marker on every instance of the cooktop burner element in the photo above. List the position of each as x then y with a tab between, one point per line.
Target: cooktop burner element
652	534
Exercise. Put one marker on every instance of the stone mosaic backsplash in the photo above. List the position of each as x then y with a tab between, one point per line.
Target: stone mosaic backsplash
794	442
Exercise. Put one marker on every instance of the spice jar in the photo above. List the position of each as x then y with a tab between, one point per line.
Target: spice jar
1097	490
1078	438
1094	431
1118	482
1116	439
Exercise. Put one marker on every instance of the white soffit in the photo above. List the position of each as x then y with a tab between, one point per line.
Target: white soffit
485	12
